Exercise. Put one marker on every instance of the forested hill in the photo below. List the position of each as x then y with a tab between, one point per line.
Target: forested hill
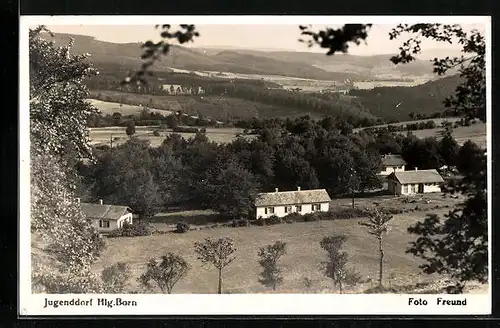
128	54
397	103
293	64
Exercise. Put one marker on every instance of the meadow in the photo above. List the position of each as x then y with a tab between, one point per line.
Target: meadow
214	107
301	261
475	132
119	136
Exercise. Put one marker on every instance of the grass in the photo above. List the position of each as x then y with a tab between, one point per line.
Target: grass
217	108
301	261
107	107
102	135
475	133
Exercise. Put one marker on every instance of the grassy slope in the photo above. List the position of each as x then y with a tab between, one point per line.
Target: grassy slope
304	255
209	106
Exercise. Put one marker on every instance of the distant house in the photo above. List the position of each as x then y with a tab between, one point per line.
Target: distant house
414	182
392	163
282	203
107	217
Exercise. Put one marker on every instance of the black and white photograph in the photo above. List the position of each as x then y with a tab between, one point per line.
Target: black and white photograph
255	165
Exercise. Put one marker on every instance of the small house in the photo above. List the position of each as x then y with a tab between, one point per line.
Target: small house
106	217
392	163
414	182
282	203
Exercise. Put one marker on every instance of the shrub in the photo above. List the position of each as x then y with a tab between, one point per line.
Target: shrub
309	217
260	222
185	129
293	217
140	228
240	223
156	133
272	220
115	277
182	227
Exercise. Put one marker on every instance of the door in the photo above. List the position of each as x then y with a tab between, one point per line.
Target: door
420	188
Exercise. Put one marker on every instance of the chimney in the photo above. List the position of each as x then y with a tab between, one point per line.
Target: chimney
416	169
298	188
275	189
100	201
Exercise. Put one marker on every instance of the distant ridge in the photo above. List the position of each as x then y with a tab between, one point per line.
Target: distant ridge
239	60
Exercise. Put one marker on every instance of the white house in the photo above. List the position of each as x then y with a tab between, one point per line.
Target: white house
392	163
107	217
282	203
414	182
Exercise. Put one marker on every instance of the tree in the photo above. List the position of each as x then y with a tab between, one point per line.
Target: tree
377	225
458	244
231	189
115	277
58	115
271	276
335	266
217	252
171	121
130	128
165	273
124	175
448	149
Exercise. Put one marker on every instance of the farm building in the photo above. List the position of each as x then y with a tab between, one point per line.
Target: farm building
282	203
392	163
414	182
107	217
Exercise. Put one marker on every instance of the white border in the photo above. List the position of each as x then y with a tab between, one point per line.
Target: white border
250	304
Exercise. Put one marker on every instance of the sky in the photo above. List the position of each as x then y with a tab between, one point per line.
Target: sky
255	36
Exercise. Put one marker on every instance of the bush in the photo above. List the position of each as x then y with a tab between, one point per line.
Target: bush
272	220
182	227
185	129
240	223
347	213
310	217
260	222
156	133
140	228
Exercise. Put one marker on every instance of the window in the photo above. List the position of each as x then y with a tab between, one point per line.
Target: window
316	207
103	224
288	209
405	189
298	208
269	210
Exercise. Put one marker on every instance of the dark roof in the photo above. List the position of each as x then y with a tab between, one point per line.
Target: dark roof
393	160
292	197
105	211
420	176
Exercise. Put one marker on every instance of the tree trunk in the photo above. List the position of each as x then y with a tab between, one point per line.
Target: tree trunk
340	287
381	262
219	289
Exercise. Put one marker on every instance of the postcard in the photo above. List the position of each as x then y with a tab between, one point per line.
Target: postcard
251	165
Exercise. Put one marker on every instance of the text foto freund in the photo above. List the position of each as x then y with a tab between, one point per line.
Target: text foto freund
438	301
101	301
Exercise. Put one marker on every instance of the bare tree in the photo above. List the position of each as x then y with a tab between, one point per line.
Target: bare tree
165	273
271	276
335	267
377	225
218	252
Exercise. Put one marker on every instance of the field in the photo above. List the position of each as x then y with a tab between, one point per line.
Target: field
301	261
217	108
475	132
107	107
119	136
